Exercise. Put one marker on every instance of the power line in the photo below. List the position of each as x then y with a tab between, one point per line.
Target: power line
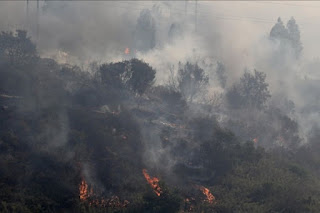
220	17
206	15
257	18
288	4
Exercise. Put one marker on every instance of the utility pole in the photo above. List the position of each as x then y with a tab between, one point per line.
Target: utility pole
196	15
186	8
27	15
37	30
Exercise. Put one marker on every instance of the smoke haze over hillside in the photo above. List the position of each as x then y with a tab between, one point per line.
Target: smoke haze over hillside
234	33
194	92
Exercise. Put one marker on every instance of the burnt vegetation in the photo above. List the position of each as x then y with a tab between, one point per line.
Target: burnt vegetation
77	141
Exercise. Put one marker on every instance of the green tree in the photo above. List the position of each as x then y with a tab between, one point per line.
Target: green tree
17	48
251	91
134	75
279	31
142	76
287	35
145	31
294	35
191	80
113	74
221	74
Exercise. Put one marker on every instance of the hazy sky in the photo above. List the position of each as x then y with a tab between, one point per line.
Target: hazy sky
102	25
263	15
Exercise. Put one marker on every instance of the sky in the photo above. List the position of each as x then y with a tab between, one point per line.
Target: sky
249	19
234	32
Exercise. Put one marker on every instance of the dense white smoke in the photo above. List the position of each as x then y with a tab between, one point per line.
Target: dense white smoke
166	33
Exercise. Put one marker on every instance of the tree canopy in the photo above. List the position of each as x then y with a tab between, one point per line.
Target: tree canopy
191	80
288	35
250	91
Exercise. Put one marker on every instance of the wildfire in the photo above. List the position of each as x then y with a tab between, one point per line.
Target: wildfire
127	51
86	195
189	204
154	182
207	193
255	140
84	191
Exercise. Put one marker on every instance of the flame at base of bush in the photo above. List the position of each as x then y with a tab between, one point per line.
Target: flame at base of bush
210	198
154	182
86	195
83	191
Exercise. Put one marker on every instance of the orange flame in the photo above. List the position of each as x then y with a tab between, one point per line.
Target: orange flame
83	191
255	140
154	182
207	193
86	195
127	51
